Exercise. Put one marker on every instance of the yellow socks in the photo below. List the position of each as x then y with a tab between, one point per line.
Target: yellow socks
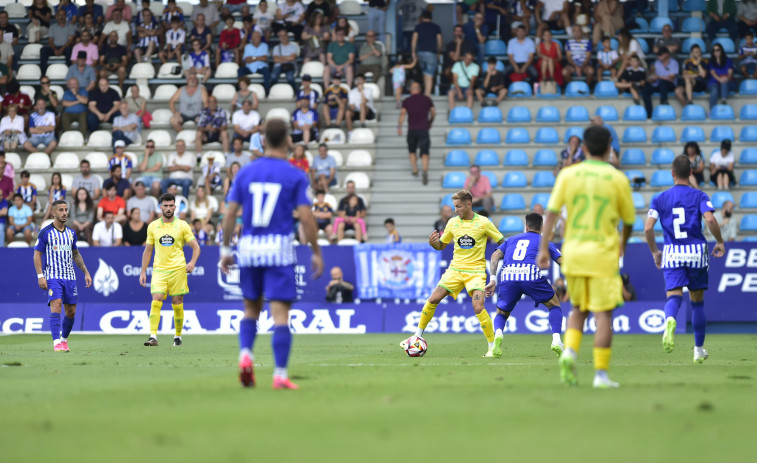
486	325
427	313
573	339
602	358
155	317
178	318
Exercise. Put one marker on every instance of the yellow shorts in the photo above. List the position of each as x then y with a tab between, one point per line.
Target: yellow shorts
454	281
172	283
595	294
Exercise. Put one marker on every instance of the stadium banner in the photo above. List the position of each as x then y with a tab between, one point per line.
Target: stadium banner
389	271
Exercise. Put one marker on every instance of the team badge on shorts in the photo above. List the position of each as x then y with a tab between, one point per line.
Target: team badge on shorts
166	240
50	292
466	242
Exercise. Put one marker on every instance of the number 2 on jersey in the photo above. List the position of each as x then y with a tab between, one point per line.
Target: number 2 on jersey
680	219
264	198
520	250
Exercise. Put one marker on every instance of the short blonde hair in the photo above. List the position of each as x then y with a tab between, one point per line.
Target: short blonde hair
463	195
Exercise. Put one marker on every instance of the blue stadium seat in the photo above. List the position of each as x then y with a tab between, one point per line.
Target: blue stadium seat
748	112
632	174
577	89
722	112
540	198
543	179
748	156
547	136
642	26
638	200
638	225
516	158
605	89
577	114
454	180
687	43
693	112
748	133
512	202
634	134
748	200
655	26
487	158
663	157
694	5
517	135
726	43
748	178
519	114
519	90
488	136
548	114
458	136
722	132
633	157
571	131
749	239
663	134
489	114
457	158
510	225
635	113
663	112
461	115
548	96
748	87
491	176
692	133
719	197
613	44
607	113
692	24
514	180
545	158
447	201
495	48
644	45
662	178
748	223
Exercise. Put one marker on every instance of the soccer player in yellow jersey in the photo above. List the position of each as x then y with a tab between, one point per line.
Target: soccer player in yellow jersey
597	197
170	269
469	231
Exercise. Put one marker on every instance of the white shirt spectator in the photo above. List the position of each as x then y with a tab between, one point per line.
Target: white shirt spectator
551	6
107	236
17	123
354	97
203	210
291	12
263	20
185	159
245	121
175	38
122	29
720	161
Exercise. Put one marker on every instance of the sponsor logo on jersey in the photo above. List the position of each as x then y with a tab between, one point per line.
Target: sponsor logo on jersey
466	242
166	240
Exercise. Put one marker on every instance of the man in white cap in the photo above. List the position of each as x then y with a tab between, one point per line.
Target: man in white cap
125	126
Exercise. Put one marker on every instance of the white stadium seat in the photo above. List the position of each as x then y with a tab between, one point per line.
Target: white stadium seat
259	90
188	136
161	117
17	244
45	223
13	159
331	200
281	92
144	91
317	88
364	136
168	71
354	26
142	71
66	161
29	90
39	182
227	71
15	10
97	160
163	92
359	158
82	244
133	156
338	158
58	91
348	242
333	136
278	113
37	161
224	92
67	180
321	242
375	90
57	71
361	179
314	68
350	8
161	138
28	72
31	51
71	139
100	139
157	9
118	90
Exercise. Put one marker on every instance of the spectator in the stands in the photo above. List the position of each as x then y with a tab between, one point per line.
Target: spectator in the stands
107	232
335	99
480	188
199	61
126	125
315	37
325	8
138	105
607	59
6	51
722	14
262	19
211	172
245	93
377	17
323	213
190	98
123	8
61	36
284	57
238	156
86	180
454	51
420	112
721	76
748	56
143	203
323	169
41	130
174	42
628	46
235	6
135	230
721	166
88	24
44	92
578	57
338	290
308	92
81	214
399	76
148	33
40	15
664	74
520	54
27	190
410	12
228	43
117	179
444	215
83	73
257	141
212	126
608	18
91	53
121	26
15	96
305	122
351	215
344	25
667	41
747	16
360	104
210	11
245	121
426	46
694	76
75	101
119	158
255	59
475	33
95	9
202	33
12	133
728	224
72	12
151	168
20	219
7	177
633	79
392	235
179	168
552	15
112	202
103	105
340	58
492	82
114	59
290	16
172	10
691	150
298	159
203	207
572	154
549	63
371	56
464	79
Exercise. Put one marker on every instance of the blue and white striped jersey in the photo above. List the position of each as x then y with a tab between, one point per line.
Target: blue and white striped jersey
519	261
58	247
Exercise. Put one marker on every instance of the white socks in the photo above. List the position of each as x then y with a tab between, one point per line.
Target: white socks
280	372
419	333
556	339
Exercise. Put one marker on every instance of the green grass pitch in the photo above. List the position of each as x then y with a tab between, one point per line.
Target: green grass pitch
363	400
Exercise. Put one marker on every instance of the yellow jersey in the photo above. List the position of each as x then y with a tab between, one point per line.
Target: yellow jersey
169	240
470	242
597	197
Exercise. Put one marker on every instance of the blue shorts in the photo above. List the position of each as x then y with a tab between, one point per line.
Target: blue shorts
510	292
428	62
692	278
274	283
62	289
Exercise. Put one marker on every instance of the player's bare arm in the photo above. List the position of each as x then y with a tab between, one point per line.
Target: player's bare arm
712	225
146	255
195	255
435	241
311	233
496	256
41	281
625	234
79	261
649	235
543	258
229	219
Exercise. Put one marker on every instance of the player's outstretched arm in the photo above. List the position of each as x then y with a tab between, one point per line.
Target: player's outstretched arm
146	255
712	225
79	261
543	258
41	281
311	234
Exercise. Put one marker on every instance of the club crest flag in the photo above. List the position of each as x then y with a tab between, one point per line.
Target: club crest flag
404	270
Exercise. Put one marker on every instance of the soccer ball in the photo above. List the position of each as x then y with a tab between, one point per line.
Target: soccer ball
416	347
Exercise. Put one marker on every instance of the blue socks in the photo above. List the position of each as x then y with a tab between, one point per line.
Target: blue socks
68	325
55	325
248	328
698	321
281	341
555	319
672	306
499	321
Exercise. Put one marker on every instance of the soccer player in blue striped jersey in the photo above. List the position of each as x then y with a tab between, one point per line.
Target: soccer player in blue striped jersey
520	275
58	243
684	258
269	190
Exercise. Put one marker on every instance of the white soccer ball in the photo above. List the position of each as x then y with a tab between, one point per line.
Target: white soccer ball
416	347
